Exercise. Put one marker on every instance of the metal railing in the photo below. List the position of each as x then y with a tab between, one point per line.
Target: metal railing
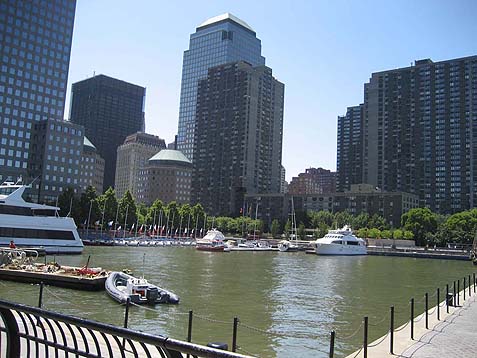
27	331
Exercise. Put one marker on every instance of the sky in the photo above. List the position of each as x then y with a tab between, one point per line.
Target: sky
323	51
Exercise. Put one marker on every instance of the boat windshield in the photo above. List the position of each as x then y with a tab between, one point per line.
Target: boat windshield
337	242
7	190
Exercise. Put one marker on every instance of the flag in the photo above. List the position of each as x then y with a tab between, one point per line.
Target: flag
96	222
241	210
140	229
110	223
192	231
185	231
85	222
119	228
201	231
132	227
176	231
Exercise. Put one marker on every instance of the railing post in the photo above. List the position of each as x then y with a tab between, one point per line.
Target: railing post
455	298
438	304
427	310
126	313
458	292
412	318
473	276
40	297
332	344
234	336
447	295
189	329
365	338
391	331
13	348
464	288
470	294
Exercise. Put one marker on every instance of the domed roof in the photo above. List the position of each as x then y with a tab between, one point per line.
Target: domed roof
169	156
87	143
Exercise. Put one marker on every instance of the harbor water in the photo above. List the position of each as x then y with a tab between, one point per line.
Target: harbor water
287	303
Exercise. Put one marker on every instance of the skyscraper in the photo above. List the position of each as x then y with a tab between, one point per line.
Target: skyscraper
132	156
110	110
35	45
238	137
420	132
313	181
219	40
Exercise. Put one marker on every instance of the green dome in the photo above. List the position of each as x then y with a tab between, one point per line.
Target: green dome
170	157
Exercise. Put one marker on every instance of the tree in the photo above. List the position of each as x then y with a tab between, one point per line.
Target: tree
398	234
275	229
420	221
67	202
386	234
343	218
321	217
377	222
460	227
374	233
127	205
287	229
88	199
109	204
363	232
361	221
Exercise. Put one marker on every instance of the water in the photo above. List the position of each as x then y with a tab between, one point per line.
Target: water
287	303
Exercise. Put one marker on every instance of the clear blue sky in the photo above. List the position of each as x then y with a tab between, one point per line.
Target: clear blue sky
324	51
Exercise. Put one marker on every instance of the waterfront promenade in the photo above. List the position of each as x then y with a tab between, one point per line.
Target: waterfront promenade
453	336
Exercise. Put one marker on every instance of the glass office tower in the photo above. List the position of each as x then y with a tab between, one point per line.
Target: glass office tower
219	40
35	45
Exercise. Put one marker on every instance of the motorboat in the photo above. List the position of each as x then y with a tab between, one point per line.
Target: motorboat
249	245
288	246
214	241
121	286
35	225
340	242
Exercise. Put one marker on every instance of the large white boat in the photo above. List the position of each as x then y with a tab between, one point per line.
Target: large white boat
340	242
212	241
35	225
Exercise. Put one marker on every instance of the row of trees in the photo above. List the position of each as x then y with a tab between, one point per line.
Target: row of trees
421	224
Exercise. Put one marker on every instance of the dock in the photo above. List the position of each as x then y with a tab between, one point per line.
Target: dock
77	282
419	253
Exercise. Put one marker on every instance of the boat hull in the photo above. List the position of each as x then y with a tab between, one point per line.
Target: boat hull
336	249
211	248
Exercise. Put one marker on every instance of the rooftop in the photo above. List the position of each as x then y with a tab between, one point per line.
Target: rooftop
223	17
168	156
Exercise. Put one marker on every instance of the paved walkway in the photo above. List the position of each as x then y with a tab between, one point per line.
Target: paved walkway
454	337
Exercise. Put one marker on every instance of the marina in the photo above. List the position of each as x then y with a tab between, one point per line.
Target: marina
287	304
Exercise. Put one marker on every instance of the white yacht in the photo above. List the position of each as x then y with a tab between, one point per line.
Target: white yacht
340	242
35	225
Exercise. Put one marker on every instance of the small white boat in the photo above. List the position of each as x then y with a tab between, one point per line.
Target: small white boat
287	246
121	286
340	242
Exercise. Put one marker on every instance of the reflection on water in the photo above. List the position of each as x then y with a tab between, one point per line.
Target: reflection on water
287	303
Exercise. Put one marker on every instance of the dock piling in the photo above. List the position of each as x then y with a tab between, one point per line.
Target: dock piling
365	338
473	276
126	313
447	298
412	318
40	297
464	288
189	329
332	344
469	287
391	331
455	298
458	292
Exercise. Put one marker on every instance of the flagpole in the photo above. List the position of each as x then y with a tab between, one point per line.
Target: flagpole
167	224
125	221
89	216
158	227
243	219
153	222
172	222
188	223
102	219
71	204
205	221
160	222
195	229
255	223
137	223
180	227
116	220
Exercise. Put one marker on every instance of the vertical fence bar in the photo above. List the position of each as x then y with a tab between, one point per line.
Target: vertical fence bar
412	318
464	288
438	304
234	335
189	329
458	292
455	298
447	297
427	310
40	297
473	276
391	331
332	344
126	313
365	338
470	294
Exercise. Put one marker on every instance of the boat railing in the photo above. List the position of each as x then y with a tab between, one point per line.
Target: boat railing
18	256
28	331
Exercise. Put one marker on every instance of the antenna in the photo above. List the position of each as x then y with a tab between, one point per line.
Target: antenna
143	263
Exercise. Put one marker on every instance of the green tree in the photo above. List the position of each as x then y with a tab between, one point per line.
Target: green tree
321	217
378	222
408	235
419	221
127	205
361	221
287	229
460	227
343	218
275	229
374	233
398	234
386	234
89	199
363	232
109	204
67	201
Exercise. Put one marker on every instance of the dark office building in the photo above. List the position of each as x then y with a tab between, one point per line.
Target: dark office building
420	133
238	136
110	110
35	44
349	152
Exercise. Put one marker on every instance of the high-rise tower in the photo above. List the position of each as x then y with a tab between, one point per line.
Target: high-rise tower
219	40
35	45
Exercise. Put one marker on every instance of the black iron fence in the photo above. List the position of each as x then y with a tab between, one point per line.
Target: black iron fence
33	332
452	299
